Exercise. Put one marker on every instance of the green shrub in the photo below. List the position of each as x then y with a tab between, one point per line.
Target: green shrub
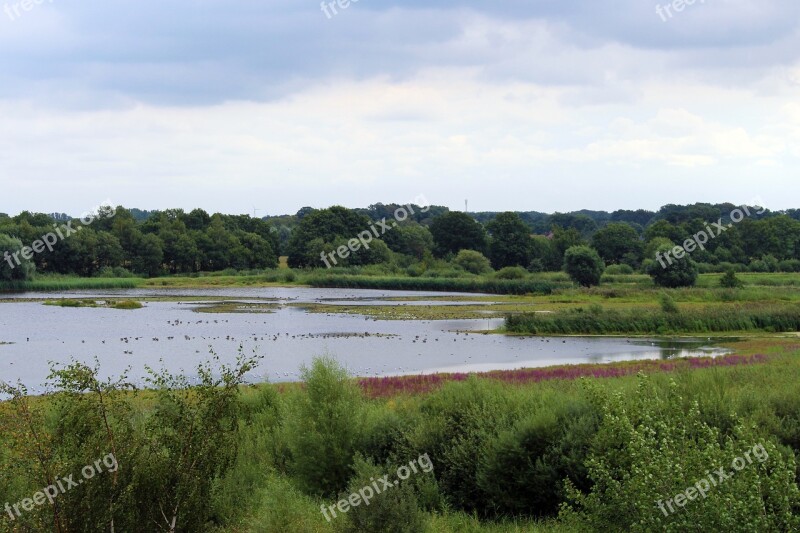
461	420
10	271
160	458
511	272
671	272
730	281
395	510
668	305
622	269
325	428
473	262
584	265
789	265
282	507
524	468
653	447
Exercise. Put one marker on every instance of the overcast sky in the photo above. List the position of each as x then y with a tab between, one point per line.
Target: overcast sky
545	105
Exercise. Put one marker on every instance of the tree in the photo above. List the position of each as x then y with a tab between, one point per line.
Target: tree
616	242
673	272
472	261
327	225
9	269
456	231
511	242
148	255
662	228
562	240
409	239
584	265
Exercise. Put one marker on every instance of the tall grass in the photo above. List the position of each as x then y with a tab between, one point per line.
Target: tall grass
483	285
66	284
766	318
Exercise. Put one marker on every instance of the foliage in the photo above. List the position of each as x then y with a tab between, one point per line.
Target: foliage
167	450
656	446
393	511
473	262
11	248
511	272
491	286
618	243
455	231
730	280
583	265
510	243
171	241
673	272
641	322
668	305
617	270
325	429
505	447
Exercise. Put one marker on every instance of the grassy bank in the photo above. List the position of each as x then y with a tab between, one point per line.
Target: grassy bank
479	285
54	284
601	321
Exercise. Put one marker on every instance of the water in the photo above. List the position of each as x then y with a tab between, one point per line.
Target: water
172	335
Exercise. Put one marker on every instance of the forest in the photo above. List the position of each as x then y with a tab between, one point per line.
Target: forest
124	242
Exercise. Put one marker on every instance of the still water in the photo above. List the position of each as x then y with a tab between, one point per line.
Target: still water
174	336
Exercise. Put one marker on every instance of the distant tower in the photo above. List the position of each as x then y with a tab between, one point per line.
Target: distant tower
466	206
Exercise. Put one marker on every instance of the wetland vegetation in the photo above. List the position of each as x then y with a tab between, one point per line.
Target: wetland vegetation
565	448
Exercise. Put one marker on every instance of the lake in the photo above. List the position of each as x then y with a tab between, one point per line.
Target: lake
174	335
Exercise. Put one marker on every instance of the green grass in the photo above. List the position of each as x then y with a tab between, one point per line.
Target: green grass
53	284
482	285
112	304
599	321
126	304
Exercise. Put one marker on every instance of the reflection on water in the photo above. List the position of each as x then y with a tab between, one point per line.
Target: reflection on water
173	333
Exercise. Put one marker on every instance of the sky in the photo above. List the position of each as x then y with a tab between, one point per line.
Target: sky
267	106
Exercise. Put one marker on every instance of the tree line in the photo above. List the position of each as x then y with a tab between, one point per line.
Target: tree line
152	243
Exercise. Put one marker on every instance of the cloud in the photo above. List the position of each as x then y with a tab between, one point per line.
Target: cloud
535	104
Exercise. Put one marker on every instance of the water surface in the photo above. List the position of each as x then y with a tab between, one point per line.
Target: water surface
172	334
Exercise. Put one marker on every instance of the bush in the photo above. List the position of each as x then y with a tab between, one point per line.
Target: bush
472	261
325	428
524	468
789	265
18	272
653	447
511	272
668	305
536	265
730	281
671	272
395	510
615	270
160	456
583	265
